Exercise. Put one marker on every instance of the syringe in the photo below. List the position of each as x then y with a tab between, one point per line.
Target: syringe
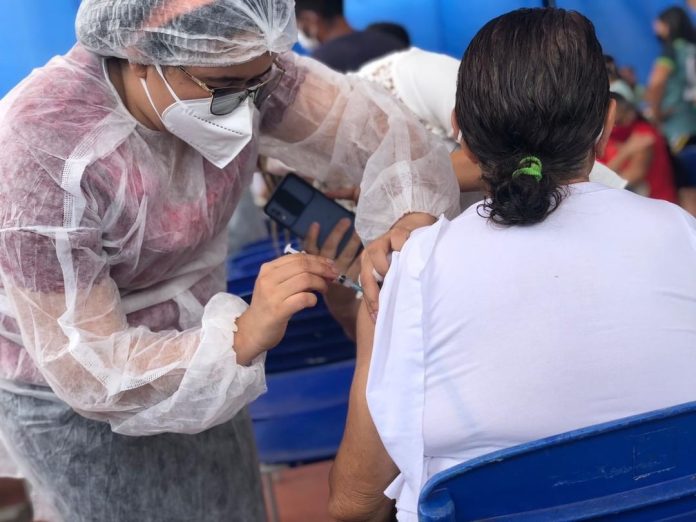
342	279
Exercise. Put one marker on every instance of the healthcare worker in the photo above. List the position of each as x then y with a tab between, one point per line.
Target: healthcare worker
125	367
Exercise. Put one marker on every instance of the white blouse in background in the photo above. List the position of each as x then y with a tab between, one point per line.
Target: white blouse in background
491	336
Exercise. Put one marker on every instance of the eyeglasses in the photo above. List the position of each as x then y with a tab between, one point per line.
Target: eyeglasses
226	99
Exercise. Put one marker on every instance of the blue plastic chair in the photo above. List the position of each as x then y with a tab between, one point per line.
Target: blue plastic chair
301	419
635	469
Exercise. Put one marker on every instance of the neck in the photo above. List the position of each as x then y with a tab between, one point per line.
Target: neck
580	179
132	93
585	176
335	29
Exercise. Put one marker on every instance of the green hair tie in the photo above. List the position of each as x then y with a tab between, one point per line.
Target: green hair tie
529	166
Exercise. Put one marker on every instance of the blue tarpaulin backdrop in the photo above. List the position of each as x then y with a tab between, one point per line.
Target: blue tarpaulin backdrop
31	31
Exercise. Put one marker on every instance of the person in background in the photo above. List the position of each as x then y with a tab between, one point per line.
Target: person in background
637	151
327	35
628	74
399	31
671	92
533	313
615	78
670	95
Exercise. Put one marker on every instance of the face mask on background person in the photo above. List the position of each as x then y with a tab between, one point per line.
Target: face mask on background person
309	43
219	139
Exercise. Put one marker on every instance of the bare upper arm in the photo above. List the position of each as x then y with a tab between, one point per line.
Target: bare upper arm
362	469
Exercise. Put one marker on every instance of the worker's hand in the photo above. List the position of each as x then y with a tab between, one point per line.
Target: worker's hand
283	288
376	257
351	193
340	301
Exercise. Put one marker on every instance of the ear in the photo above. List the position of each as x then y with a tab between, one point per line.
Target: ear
462	144
139	70
609	121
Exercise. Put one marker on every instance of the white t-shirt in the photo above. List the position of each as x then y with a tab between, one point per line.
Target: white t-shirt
492	336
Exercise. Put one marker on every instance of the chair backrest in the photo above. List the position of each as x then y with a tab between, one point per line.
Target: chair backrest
301	418
633	469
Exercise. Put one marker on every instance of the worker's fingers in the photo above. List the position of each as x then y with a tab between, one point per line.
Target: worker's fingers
378	252
397	239
299	302
302	282
282	269
369	285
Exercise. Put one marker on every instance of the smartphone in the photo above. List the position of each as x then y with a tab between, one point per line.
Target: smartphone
295	204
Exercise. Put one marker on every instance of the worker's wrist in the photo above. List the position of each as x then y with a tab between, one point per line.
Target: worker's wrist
246	346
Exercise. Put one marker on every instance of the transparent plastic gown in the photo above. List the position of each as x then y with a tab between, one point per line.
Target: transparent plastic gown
112	236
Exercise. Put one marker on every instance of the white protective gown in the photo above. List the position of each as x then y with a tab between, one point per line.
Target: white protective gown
112	236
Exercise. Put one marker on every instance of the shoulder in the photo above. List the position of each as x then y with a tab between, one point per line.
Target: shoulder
58	104
380	39
672	216
417	251
415	58
647	216
661	225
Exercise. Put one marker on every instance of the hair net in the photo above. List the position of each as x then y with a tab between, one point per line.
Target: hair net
213	33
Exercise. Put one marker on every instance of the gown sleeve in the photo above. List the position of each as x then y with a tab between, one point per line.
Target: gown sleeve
58	286
344	130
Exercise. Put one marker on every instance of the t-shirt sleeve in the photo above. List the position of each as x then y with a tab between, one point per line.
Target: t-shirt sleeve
396	379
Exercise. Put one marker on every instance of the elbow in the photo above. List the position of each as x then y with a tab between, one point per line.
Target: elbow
344	509
339	509
351	506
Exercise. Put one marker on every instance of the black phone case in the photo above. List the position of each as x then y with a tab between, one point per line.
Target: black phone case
295	204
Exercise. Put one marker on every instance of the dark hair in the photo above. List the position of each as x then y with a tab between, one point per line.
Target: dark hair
327	9
679	24
532	83
612	69
397	31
